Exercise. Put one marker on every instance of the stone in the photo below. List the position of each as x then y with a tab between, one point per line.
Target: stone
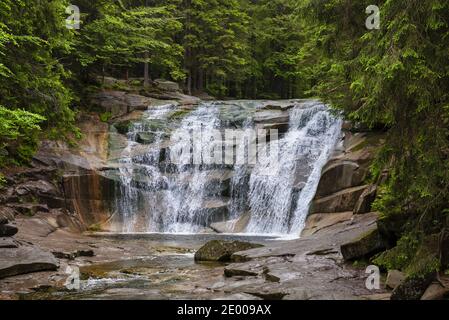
339	176
7	230
436	291
25	259
73	255
342	201
365	201
271	117
365	246
234	272
394	279
219	250
29	209
232	226
212	211
167	85
7	213
3	220
321	221
8	243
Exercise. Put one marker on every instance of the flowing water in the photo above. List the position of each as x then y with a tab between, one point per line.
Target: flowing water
157	194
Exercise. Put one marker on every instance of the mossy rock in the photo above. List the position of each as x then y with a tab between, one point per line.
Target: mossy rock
219	250
179	114
365	246
123	127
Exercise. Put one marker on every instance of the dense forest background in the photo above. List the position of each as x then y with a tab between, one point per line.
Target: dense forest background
395	78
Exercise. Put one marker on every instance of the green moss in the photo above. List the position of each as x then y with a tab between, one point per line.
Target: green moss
400	256
106	116
416	257
95	227
179	114
2	181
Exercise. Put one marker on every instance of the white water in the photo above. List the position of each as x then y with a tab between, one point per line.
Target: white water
158	196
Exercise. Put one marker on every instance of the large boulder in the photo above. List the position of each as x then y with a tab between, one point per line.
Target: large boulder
165	85
340	175
219	250
232	226
341	201
394	279
25	259
271	117
119	103
363	247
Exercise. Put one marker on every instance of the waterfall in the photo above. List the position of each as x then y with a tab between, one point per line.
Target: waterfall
157	194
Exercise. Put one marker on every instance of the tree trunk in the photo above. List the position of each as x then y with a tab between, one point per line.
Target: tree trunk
146	75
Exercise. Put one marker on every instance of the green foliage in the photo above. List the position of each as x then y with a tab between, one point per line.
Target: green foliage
18	135
31	73
105	117
2	181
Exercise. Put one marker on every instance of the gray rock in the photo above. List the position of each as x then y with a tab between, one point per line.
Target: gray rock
167	85
8	243
436	291
342	201
73	255
394	279
218	250
365	201
25	259
271	117
3	220
7	230
340	175
234	272
365	246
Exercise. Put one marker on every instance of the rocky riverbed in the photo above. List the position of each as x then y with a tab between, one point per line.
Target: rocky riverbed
53	215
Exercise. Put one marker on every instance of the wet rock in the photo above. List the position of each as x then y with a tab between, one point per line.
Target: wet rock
281	107
3	220
218	250
73	255
234	272
412	288
394	279
232	226
342	201
340	175
436	291
271	117
212	211
7	230
25	259
365	201
365	246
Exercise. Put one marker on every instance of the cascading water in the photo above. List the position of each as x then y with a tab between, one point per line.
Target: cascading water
157	195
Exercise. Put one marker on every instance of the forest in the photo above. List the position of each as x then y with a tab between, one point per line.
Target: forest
394	79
